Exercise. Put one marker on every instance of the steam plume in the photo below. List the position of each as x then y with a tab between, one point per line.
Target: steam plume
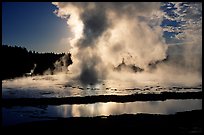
105	33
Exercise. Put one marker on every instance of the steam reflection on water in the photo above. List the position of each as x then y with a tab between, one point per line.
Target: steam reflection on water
113	108
19	114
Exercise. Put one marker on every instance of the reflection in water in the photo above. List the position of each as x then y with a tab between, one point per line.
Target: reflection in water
24	114
113	108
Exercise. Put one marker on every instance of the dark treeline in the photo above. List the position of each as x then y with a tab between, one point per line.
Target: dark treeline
17	61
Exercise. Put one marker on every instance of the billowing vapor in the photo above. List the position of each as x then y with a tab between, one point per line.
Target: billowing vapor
103	34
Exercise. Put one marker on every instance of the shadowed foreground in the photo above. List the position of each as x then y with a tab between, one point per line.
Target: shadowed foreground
180	123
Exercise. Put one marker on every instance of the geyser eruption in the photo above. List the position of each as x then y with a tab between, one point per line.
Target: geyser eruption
105	33
121	48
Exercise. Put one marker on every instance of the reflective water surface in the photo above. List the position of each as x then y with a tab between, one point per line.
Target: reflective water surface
59	86
19	114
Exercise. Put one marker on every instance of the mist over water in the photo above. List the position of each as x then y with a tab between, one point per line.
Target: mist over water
120	61
106	35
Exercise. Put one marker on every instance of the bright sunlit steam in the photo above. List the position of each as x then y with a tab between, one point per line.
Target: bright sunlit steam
105	34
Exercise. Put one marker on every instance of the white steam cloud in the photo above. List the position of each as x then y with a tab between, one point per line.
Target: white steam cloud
105	33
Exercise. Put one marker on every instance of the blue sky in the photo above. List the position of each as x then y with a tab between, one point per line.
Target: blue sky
34	25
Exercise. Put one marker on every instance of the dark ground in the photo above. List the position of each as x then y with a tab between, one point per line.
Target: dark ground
101	98
180	123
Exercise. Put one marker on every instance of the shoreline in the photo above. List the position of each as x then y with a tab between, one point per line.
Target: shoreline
100	98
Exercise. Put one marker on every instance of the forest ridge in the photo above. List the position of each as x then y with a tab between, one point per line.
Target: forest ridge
17	61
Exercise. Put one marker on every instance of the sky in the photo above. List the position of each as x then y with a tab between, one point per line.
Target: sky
34	25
